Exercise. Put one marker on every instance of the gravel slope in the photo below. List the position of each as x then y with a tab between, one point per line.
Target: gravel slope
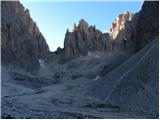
134	84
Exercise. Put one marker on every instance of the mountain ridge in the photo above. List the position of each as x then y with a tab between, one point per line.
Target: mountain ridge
95	75
22	42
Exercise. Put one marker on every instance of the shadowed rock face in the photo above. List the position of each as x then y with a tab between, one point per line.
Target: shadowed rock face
127	87
148	24
134	83
22	43
85	38
82	39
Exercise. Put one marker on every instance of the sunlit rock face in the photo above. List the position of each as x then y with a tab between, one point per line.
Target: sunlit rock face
132	32
21	42
82	39
118	33
134	83
119	24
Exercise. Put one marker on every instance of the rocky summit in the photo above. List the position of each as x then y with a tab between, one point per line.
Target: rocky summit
119	32
82	39
108	75
85	38
134	84
22	43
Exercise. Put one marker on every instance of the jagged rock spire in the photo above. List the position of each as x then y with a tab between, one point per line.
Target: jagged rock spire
74	27
86	38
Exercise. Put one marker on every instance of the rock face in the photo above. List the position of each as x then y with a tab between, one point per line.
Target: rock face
119	24
22	43
134	83
59	50
118	32
82	39
148	24
85	38
132	32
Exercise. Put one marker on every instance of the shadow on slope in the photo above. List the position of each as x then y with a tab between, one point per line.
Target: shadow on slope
131	84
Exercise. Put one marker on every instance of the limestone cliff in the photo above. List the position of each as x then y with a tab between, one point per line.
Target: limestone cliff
119	32
148	24
82	39
85	38
21	42
134	83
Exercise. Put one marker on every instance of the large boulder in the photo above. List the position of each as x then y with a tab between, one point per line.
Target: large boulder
21	42
82	39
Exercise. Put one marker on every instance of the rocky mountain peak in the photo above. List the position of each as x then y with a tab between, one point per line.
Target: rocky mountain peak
82	22
121	30
119	24
22	42
82	39
74	27
83	26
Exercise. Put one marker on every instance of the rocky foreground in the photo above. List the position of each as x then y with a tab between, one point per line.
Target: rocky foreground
95	75
63	92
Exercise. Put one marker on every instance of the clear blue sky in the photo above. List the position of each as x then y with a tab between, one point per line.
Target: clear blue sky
53	18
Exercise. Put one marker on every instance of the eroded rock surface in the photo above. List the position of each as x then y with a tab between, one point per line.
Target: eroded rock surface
148	24
108	84
119	32
134	83
21	43
82	39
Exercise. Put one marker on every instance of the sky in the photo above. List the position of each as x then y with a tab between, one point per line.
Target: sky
54	17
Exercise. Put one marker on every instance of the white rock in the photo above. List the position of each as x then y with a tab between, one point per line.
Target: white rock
96	78
41	62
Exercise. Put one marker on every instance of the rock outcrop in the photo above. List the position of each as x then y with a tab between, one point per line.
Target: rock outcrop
82	39
59	50
133	85
119	32
131	32
21	42
148	24
85	38
119	24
